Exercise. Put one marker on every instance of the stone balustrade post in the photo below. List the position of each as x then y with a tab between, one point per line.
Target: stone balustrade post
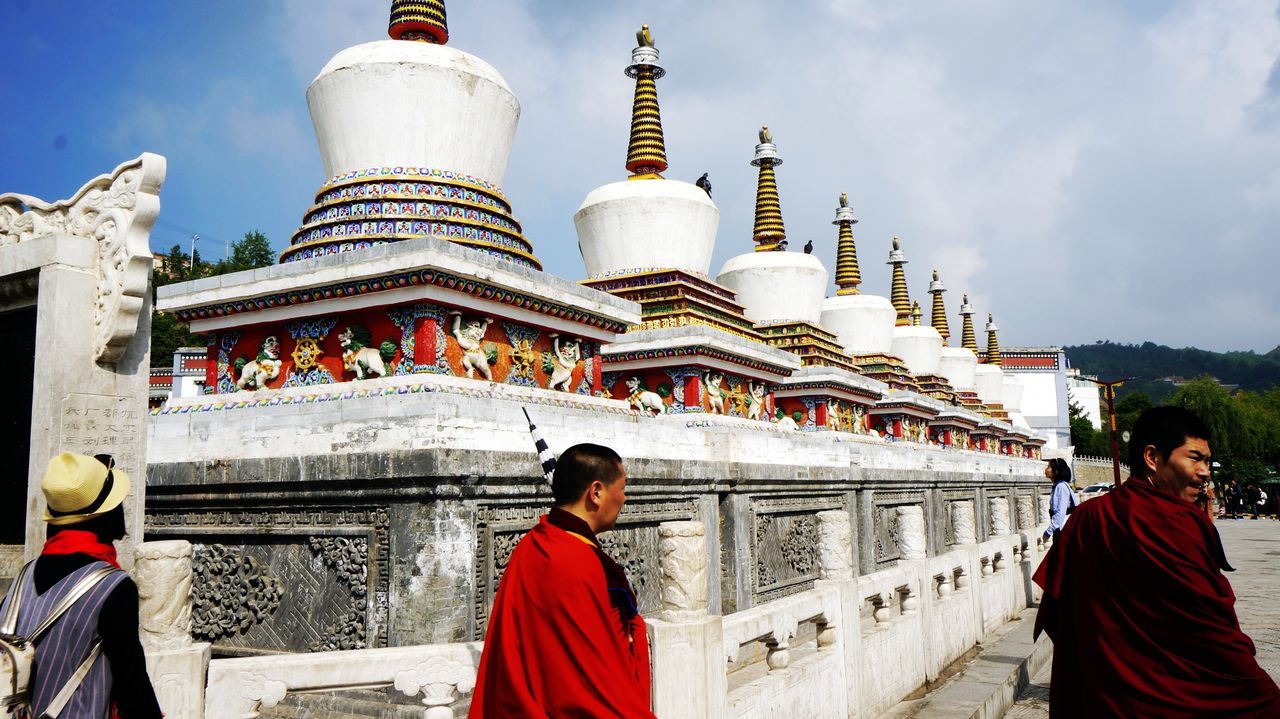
1044	508
999	516
439	680
835	545
912	540
1026	513
176	664
964	521
686	642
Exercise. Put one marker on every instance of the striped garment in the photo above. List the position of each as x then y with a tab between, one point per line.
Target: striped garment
61	650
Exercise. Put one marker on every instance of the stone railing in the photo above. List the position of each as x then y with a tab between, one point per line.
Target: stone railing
850	646
439	673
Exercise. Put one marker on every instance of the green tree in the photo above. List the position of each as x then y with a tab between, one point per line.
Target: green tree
248	253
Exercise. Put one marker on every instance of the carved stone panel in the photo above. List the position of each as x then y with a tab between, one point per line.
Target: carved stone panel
886	527
288	580
633	544
784	544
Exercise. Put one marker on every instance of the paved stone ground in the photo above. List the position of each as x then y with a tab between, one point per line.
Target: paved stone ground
1253	547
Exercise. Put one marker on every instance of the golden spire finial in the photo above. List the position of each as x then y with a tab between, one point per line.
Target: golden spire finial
647	149
967	338
848	276
915	313
938	319
993	344
898	295
420	20
768	230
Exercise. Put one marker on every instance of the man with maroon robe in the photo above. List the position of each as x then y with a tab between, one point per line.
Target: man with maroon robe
1142	619
565	637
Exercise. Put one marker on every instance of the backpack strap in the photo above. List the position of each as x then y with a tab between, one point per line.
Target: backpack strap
59	701
86	583
9	620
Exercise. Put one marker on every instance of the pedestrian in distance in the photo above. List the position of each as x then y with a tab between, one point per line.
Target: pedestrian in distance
1255	499
565	636
1062	501
89	662
1142	618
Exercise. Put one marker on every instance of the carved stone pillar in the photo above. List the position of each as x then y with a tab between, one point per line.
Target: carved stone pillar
835	545
175	663
1026	512
1044	508
999	516
911	534
682	552
964	522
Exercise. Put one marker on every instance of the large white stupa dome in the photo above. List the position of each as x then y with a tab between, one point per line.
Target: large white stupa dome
959	366
777	286
647	224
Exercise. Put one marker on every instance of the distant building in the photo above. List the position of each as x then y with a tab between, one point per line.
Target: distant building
186	378
1042	372
1085	395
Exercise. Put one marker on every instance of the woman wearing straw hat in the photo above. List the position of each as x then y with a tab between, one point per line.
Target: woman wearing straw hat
84	497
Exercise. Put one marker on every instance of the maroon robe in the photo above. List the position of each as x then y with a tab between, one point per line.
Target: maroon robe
1142	619
564	639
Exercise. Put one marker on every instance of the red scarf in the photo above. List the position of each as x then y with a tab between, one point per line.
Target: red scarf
78	541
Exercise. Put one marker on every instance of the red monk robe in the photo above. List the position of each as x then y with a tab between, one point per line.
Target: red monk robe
1143	622
564	639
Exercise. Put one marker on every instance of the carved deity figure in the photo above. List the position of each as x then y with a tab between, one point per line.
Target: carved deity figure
359	357
470	337
642	399
716	391
565	359
788	422
755	400
266	367
859	419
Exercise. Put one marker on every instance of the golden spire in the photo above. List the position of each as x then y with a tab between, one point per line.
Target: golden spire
967	339
916	314
899	296
647	151
768	230
847	275
939	318
421	20
993	344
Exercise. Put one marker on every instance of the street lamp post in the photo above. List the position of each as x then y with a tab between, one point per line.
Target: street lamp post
1109	391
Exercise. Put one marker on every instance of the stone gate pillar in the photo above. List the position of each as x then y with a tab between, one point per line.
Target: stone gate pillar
175	663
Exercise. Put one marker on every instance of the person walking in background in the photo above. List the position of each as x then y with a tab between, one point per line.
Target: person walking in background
1142	619
85	513
1063	501
1255	499
1233	499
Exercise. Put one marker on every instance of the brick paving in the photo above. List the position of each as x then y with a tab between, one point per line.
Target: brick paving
1253	548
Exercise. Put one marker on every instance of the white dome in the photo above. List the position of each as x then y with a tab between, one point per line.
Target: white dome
1011	394
397	103
862	323
919	348
989	383
777	286
959	366
636	224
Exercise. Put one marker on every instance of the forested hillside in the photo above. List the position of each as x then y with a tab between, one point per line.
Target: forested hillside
1150	362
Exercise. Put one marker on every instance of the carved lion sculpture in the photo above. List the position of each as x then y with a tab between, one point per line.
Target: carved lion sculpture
258	372
642	399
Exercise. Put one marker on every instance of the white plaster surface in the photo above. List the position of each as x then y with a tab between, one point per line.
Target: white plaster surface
862	323
393	103
919	348
989	383
959	366
639	224
777	286
1011	393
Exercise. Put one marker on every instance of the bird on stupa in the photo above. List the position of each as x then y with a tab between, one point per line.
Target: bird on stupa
808	247
782	246
704	183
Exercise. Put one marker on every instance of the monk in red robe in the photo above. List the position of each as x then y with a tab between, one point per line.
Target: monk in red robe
565	637
1142	619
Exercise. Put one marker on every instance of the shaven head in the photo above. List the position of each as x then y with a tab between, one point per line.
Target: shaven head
1166	429
579	466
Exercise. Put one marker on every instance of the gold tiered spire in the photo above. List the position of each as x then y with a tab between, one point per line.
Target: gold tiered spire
847	275
768	230
993	344
899	296
939	318
916	314
967	339
421	20
647	151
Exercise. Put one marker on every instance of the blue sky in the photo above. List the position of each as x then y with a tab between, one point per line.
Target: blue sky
1084	170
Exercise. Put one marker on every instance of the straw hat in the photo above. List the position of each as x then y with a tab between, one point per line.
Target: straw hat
77	487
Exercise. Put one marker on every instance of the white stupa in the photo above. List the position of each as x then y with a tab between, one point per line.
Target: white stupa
862	323
956	364
415	137
919	347
989	379
773	285
646	222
